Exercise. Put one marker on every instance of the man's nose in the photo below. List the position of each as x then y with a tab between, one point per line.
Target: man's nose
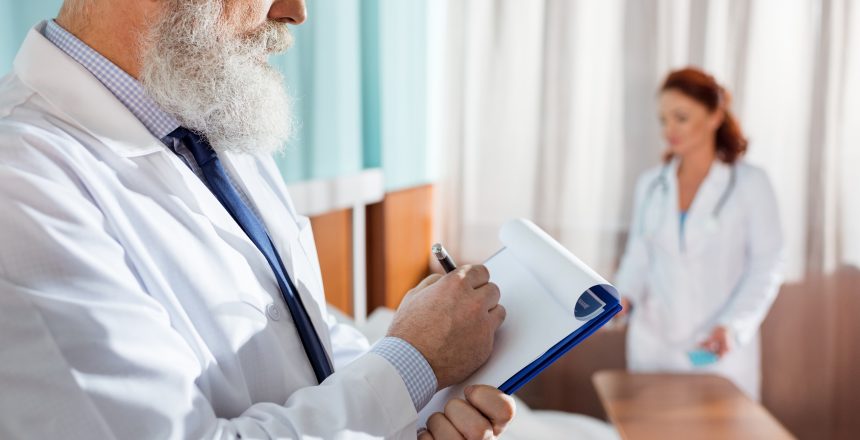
288	11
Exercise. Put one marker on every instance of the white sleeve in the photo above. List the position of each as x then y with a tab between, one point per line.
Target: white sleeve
757	289
347	343
87	353
632	272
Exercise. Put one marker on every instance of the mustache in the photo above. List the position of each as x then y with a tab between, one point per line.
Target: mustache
200	26
271	38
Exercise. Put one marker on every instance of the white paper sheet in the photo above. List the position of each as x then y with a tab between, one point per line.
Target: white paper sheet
540	283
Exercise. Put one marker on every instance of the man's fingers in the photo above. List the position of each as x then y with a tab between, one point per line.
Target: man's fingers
468	420
498	314
476	276
425	435
442	428
497	406
491	294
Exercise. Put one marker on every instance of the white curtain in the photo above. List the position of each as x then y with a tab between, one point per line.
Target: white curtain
547	110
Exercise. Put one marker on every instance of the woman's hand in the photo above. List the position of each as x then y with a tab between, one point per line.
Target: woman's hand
625	307
719	342
484	414
625	310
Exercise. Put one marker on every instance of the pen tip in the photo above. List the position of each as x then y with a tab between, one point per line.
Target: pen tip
437	247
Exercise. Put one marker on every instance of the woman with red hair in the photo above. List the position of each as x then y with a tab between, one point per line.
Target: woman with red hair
701	267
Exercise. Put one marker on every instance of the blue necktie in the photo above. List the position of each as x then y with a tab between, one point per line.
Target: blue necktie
227	194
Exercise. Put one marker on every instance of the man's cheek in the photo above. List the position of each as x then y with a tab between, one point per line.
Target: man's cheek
247	16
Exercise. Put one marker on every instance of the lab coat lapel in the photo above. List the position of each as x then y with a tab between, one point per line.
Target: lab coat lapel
666	233
708	196
289	233
198	197
67	85
79	98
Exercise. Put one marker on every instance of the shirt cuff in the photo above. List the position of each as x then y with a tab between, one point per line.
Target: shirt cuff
414	369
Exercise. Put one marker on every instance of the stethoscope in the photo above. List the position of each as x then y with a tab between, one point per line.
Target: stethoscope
662	182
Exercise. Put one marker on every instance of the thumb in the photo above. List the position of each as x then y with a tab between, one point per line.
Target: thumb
422	285
428	281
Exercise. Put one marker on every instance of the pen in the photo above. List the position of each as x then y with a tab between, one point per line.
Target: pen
444	259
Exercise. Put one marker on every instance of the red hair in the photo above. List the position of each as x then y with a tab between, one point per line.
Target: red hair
698	85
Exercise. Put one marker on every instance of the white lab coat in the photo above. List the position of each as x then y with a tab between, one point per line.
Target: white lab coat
723	272
133	306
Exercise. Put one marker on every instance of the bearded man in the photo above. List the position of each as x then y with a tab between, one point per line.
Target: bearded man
155	279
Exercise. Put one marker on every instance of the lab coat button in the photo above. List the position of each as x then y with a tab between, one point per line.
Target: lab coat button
273	312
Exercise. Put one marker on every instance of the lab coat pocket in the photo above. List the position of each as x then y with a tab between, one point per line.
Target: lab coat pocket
247	307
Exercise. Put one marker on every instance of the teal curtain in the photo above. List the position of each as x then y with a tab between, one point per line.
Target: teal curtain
16	19
398	99
357	75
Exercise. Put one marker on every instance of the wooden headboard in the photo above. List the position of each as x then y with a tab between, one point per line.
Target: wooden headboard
373	246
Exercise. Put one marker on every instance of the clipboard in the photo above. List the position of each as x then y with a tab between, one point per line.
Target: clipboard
553	302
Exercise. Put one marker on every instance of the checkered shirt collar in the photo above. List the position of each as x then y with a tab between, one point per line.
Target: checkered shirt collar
127	89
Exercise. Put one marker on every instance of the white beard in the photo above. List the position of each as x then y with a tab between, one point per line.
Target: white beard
215	83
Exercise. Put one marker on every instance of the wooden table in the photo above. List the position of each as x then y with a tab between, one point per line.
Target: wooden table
682	406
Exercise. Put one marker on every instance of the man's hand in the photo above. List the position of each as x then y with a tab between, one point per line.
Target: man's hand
483	415
719	342
451	320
